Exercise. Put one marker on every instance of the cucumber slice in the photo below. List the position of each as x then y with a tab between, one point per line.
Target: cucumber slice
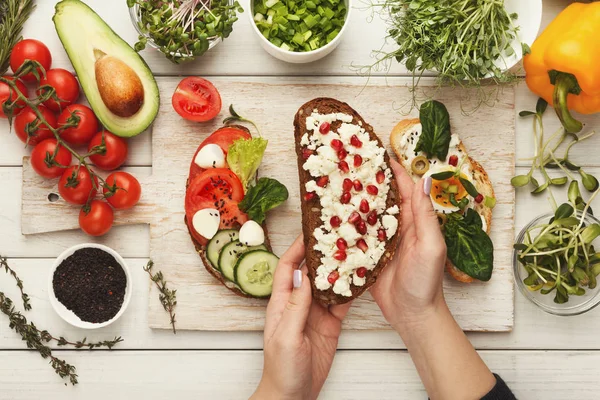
254	272
229	257
222	238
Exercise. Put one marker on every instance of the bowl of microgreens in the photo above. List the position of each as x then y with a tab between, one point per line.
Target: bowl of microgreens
182	29
557	262
299	31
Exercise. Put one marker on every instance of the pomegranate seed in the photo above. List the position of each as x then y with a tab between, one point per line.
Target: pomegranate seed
340	255
354	217
335	221
342	154
343	166
380	177
357	160
307	153
453	160
324	128
479	198
357	185
347	185
364	206
361	272
345	199
323	181
341	244
381	235
309	196
337	144
355	141
361	227
362	245
333	276
372	189
372	218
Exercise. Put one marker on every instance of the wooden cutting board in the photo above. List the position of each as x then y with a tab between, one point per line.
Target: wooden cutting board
203	304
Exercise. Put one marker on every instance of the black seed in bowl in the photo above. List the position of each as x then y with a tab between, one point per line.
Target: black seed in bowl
91	283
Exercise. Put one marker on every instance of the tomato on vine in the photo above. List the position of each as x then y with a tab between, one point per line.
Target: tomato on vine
97	218
86	127
75	185
6	92
65	85
122	190
30	129
49	151
30	49
115	151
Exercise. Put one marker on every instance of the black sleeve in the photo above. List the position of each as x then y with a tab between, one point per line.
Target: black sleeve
500	391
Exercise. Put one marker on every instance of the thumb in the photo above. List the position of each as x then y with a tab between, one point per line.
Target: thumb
297	308
425	219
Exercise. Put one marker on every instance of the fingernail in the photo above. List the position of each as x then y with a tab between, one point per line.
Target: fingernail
427	186
297	279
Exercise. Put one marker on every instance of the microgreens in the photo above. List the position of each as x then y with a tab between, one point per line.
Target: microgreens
235	117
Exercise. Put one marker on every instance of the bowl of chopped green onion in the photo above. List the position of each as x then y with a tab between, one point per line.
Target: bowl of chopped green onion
556	264
182	29
299	31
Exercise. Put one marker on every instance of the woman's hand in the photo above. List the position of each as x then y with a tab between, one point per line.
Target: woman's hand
301	337
411	285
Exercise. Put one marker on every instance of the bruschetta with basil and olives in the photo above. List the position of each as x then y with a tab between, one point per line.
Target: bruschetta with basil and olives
461	192
225	208
350	200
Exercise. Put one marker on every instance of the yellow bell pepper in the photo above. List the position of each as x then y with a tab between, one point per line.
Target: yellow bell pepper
564	64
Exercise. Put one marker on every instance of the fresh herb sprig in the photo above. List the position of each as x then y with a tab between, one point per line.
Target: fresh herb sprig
545	157
167	297
13	14
183	29
234	117
37	339
24	296
559	255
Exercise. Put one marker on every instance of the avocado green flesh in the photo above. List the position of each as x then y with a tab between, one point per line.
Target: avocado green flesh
82	31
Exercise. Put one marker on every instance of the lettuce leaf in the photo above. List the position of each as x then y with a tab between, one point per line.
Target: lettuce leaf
244	158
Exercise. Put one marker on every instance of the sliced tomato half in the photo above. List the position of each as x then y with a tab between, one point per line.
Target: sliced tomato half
222	137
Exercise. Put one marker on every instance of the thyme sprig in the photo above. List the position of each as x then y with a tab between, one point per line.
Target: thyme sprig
167	297
13	14
9	270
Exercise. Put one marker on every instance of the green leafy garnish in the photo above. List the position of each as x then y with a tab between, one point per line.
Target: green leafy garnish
244	158
469	247
266	195
13	14
436	136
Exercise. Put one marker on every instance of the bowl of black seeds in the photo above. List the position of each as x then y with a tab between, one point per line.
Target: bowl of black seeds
90	286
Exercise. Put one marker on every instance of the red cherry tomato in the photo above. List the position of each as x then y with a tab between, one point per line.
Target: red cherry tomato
116	151
66	86
45	149
128	193
30	49
98	220
42	132
196	99
222	137
80	191
6	92
85	129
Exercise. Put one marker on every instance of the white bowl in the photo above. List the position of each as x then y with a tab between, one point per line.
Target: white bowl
529	22
305	56
68	315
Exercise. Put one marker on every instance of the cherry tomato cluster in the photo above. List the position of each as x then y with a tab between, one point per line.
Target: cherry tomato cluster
57	93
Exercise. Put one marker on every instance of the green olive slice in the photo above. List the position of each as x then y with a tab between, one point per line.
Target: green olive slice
420	165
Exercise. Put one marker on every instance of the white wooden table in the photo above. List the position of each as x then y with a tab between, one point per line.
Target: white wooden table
544	357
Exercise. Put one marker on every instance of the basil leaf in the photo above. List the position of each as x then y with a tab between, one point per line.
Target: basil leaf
469	187
442	176
435	137
265	195
469	248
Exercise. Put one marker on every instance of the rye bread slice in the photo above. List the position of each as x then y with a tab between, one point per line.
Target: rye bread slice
481	181
311	210
201	249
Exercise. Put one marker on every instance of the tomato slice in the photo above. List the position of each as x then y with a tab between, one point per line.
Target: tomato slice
196	99
222	137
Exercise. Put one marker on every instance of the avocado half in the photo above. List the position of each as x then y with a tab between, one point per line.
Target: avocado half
84	35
